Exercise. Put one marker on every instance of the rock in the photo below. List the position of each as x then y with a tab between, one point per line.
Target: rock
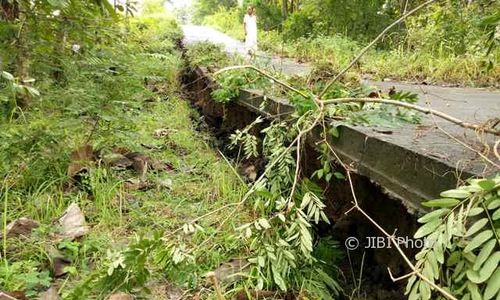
17	295
59	265
21	226
50	294
80	160
73	223
121	296
231	271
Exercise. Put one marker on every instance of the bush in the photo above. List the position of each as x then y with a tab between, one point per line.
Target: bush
271	41
204	8
298	25
227	20
449	28
268	14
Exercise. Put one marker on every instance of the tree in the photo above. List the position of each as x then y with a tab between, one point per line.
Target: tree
150	7
44	21
206	7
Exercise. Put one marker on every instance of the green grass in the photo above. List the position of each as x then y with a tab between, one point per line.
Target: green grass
115	110
442	67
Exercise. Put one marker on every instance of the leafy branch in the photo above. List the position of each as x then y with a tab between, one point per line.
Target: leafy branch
427	279
413	107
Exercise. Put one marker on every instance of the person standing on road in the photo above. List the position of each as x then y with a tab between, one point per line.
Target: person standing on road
250	26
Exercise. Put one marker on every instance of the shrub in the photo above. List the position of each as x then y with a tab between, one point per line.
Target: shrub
227	20
298	25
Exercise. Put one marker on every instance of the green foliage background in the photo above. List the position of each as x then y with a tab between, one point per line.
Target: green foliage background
448	42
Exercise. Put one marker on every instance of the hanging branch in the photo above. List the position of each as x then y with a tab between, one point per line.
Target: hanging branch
381	35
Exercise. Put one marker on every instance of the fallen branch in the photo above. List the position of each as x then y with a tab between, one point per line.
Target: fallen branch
495	149
321	103
414	107
284	84
483	156
391	237
381	35
258	182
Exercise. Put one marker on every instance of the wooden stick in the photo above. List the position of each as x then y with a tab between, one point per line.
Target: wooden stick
218	290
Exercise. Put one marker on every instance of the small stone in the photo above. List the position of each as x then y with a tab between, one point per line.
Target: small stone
121	296
73	222
21	226
50	294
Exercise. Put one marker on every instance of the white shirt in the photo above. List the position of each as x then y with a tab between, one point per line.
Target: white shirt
251	28
251	24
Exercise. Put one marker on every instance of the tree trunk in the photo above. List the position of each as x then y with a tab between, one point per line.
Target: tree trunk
59	47
9	11
22	61
12	11
284	9
23	100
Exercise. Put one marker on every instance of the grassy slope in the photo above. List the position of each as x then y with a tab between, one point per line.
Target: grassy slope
337	51
35	152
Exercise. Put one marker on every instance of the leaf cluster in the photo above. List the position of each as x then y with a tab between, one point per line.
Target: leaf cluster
462	248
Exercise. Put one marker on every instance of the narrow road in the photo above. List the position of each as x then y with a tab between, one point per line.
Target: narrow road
194	34
469	104
434	139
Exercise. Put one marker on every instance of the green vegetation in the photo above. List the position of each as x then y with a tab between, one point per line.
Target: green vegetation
449	42
460	257
110	181
110	134
109	145
462	234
